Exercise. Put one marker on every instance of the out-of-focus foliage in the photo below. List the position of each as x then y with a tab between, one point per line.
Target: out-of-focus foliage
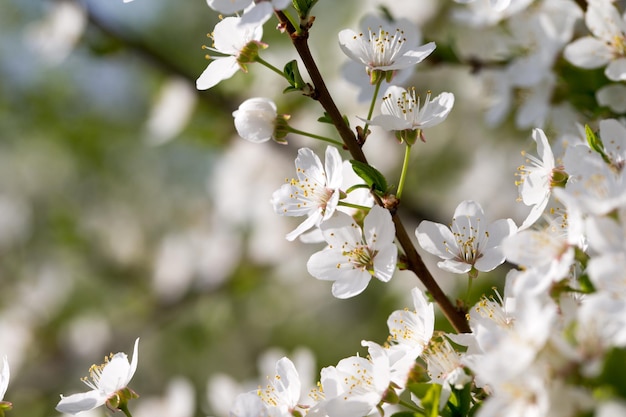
115	224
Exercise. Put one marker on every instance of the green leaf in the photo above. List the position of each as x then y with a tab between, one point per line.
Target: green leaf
612	378
292	74
372	177
429	395
596	143
303	7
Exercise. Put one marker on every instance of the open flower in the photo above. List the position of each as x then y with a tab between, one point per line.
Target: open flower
107	382
354	256
315	193
537	179
469	243
237	46
401	110
383	50
606	47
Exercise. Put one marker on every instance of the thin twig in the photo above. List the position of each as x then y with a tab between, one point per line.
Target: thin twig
414	261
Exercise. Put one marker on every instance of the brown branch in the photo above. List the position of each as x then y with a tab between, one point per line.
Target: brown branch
414	261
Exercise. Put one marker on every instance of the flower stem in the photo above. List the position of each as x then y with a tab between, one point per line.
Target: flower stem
311	135
373	103
405	166
268	65
125	410
415	263
354	206
412	407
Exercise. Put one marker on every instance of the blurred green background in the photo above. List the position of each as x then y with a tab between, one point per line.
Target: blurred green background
130	208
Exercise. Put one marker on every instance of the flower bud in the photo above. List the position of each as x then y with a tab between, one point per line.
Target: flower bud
257	121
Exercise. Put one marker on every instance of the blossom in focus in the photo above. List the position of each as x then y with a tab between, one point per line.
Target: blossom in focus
354	256
315	191
401	110
383	50
469	243
236	45
107	382
354	387
537	179
607	46
255	119
352	71
409	334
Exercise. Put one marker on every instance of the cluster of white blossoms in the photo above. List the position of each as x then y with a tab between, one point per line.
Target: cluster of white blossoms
554	344
544	347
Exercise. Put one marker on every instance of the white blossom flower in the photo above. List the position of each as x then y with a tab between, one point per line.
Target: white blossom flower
279	398
354	387
352	71
315	191
537	179
354	256
409	334
105	381
383	50
236	46
607	46
401	110
255	119
469	243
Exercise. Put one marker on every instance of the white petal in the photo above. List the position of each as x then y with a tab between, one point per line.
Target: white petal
389	122
228	6
588	52
341	231
351	43
219	69
327	265
308	223
385	262
604	21
309	166
436	238
456	267
257	15
288	382
77	403
378	227
410	58
616	70
354	283
333	165
230	38
438	110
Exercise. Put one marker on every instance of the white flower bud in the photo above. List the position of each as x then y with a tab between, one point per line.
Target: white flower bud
255	120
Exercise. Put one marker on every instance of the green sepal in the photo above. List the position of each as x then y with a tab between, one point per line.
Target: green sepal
372	177
5	406
303	7
249	54
293	77
429	395
407	414
595	143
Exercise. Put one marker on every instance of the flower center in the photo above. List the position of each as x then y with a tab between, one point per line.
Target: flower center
311	193
383	47
361	257
95	373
